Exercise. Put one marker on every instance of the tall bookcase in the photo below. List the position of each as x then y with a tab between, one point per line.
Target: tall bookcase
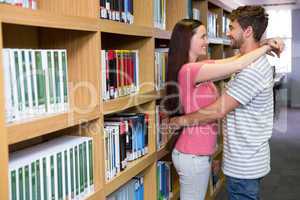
77	27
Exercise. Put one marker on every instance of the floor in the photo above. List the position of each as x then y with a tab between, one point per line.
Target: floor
283	183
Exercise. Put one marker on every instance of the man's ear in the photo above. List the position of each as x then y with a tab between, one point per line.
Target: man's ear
248	32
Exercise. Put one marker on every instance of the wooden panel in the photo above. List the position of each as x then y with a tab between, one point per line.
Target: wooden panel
132	170
161	34
47	125
176	10
143	12
15	15
87	8
15	36
150	176
4	194
97	195
109	26
126	102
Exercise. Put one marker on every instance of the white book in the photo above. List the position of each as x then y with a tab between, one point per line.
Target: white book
64	74
137	71
15	93
41	82
51	69
9	110
34	84
103	68
47	81
20	82
29	85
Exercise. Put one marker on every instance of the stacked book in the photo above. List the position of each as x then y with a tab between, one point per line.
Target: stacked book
225	25
164	180
161	137
117	10
36	83
58	169
161	61
22	3
159	14
120	73
212	26
133	190
126	139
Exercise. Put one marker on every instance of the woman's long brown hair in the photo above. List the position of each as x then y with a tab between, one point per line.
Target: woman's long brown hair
178	55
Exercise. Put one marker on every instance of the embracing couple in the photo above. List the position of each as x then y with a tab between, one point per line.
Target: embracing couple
194	105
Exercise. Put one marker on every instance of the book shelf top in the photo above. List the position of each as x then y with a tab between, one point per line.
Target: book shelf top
22	16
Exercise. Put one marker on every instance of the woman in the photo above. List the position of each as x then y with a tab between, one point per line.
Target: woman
189	89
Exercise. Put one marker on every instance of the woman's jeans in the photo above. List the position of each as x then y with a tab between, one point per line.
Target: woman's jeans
194	172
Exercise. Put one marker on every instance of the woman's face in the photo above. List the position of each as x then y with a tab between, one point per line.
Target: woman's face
199	42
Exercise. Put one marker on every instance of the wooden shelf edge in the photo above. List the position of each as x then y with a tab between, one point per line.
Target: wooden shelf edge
109	26
45	125
22	16
162	34
132	170
96	195
126	102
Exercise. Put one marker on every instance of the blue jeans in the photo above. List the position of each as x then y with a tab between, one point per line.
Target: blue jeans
243	189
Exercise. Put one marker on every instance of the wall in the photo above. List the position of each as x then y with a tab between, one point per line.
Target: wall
295	75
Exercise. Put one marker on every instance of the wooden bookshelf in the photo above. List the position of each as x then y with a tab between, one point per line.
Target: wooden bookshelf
77	27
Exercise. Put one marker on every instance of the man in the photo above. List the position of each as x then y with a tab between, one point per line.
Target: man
247	105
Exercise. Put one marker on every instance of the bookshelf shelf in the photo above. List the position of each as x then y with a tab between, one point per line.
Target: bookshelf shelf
96	195
161	34
21	16
45	125
133	169
109	26
126	102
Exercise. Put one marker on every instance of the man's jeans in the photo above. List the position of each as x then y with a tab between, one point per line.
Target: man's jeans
243	189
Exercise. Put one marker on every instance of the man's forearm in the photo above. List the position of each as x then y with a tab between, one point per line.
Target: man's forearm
202	116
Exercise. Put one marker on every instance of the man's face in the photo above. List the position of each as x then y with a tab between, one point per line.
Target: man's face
235	34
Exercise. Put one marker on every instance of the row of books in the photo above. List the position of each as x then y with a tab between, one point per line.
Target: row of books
36	82
212	25
159	14
58	169
117	10
161	61
192	13
161	138
126	139
32	4
225	25
164	180
120	73
133	190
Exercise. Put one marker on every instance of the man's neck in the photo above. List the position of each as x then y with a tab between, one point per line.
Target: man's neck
249	46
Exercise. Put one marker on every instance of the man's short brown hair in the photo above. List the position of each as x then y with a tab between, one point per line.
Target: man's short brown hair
254	16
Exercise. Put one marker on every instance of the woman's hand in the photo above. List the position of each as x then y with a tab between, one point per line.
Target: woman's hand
276	45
